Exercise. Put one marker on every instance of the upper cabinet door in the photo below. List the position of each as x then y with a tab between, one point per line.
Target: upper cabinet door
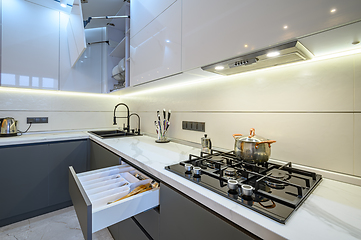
142	12
76	34
155	52
213	31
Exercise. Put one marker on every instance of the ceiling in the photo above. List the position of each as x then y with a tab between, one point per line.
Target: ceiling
98	8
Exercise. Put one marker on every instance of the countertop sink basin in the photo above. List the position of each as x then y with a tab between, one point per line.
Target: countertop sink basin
112	133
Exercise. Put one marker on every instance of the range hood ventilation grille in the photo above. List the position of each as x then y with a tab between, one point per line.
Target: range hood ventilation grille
288	53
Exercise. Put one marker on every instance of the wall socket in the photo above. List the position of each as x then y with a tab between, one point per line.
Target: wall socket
37	120
194	126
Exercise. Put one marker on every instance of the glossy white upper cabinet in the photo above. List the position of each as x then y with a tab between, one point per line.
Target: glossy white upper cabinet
142	12
30	45
155	51
213	31
76	35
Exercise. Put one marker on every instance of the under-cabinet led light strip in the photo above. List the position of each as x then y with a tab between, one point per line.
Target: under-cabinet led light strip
55	92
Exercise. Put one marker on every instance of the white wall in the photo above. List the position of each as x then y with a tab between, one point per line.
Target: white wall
312	110
65	110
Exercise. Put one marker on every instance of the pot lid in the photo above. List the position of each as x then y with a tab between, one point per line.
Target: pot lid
252	137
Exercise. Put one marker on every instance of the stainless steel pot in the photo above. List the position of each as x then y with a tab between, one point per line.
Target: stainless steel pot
252	148
8	127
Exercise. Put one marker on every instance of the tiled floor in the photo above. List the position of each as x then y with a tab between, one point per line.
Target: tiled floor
61	224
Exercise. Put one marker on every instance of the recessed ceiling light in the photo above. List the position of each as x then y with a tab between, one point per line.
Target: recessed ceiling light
273	54
333	10
285	27
245	45
219	68
167	41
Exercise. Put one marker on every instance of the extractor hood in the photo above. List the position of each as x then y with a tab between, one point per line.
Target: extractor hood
277	55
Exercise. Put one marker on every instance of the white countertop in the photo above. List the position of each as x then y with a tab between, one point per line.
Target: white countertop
43	137
332	211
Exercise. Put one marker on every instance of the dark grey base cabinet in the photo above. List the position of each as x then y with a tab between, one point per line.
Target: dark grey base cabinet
143	226
34	177
182	218
100	157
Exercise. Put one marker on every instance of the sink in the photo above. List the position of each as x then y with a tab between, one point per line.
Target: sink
111	133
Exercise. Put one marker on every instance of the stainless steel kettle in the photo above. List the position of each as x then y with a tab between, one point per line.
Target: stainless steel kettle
8	127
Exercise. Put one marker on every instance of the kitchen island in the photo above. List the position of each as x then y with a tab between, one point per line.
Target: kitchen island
324	214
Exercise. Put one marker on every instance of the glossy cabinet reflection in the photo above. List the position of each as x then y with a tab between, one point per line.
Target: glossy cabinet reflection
155	51
142	12
214	31
30	45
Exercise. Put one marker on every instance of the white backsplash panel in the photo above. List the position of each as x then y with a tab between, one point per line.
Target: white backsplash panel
310	109
357	144
65	110
357	63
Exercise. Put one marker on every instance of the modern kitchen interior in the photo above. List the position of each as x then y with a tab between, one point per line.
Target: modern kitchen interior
181	119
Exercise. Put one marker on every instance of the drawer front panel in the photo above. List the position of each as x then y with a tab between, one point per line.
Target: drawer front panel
82	204
95	194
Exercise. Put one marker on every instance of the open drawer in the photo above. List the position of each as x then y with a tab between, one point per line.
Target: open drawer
93	194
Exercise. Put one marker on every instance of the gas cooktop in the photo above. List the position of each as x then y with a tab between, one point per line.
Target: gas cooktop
273	190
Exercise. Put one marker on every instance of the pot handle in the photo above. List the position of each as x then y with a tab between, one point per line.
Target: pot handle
252	132
236	135
268	141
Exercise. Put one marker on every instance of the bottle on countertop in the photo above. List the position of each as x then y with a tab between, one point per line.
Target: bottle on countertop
206	144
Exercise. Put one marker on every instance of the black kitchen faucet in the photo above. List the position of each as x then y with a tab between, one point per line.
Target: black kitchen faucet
134	114
127	117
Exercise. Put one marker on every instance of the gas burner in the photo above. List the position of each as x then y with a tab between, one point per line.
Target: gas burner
230	171
214	161
280	175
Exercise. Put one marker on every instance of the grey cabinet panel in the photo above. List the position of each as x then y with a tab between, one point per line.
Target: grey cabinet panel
101	157
182	218
114	231
150	222
82	204
34	177
63	155
23	179
128	230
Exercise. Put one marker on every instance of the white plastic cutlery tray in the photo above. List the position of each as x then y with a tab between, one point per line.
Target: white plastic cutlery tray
93	194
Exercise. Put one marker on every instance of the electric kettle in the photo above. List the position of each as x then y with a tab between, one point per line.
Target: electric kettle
8	127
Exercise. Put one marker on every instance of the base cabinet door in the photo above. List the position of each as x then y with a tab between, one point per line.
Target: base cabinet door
181	218
101	157
127	230
23	179
63	155
96	196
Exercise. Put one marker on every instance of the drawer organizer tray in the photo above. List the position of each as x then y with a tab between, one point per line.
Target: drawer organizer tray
92	191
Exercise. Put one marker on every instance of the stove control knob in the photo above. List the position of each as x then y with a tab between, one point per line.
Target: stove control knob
197	171
188	167
232	184
247	190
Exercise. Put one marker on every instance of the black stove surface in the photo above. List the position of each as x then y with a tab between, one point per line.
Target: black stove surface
278	190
